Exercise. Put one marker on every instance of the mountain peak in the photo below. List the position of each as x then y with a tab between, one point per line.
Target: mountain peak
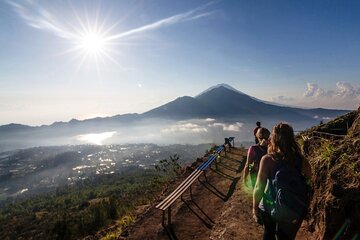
221	85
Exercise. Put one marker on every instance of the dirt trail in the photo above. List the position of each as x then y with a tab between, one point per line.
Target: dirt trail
224	208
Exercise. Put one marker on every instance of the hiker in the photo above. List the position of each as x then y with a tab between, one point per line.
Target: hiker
283	177
255	153
227	142
258	125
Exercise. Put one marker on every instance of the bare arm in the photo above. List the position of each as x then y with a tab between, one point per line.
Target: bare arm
249	160
261	180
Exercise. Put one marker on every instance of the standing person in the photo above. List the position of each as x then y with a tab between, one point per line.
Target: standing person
258	125
254	155
281	180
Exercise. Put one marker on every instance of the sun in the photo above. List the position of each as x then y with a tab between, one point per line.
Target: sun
93	43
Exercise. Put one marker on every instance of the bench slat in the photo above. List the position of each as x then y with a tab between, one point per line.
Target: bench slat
219	149
176	194
208	162
180	186
184	185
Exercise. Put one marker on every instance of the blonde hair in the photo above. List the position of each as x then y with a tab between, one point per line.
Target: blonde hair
262	133
283	143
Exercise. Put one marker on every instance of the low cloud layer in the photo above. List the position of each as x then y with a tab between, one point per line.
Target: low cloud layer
194	131
227	127
282	99
201	126
184	127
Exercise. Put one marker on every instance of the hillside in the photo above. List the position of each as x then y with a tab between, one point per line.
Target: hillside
334	209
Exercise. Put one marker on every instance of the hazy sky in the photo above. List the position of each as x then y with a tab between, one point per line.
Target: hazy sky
80	59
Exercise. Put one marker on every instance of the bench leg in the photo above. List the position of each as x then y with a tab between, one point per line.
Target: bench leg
168	226
205	177
169	216
191	195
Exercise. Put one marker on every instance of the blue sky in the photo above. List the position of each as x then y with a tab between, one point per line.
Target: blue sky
304	53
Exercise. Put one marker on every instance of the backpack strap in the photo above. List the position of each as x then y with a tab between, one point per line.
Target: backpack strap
259	149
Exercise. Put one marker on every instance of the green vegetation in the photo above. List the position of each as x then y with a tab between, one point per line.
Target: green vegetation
326	150
170	167
84	208
336	178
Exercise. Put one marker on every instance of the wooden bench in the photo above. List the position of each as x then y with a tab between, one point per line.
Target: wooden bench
165	205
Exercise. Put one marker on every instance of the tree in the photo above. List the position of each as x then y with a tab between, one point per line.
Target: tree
170	166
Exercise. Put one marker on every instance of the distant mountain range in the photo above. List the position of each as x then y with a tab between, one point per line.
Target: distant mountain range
220	102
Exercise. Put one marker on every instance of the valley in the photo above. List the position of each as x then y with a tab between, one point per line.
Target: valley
31	171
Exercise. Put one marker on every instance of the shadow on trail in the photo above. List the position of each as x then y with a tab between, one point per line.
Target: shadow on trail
221	164
234	159
205	219
234	180
225	175
221	168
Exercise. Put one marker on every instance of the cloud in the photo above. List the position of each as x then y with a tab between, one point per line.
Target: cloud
40	18
201	15
95	138
343	91
345	95
346	90
282	99
184	127
312	90
182	17
201	126
233	127
217	125
228	127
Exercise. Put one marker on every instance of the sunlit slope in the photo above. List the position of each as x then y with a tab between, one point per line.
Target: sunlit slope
334	210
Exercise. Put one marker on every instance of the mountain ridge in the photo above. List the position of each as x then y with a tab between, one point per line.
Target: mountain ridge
205	104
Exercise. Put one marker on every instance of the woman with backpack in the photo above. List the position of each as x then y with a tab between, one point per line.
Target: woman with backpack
281	194
254	155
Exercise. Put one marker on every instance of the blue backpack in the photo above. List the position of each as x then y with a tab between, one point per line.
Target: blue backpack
291	193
